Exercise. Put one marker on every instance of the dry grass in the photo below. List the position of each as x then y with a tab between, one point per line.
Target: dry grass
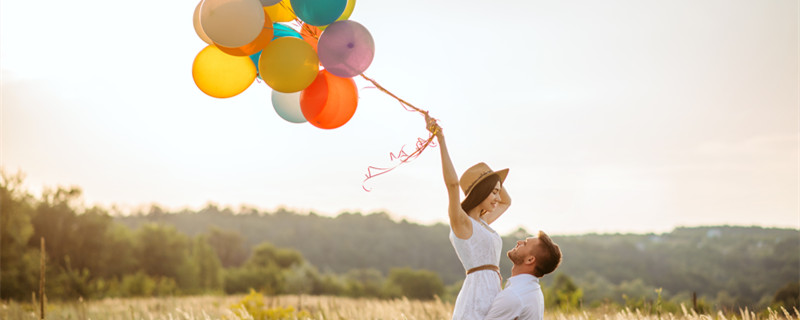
305	307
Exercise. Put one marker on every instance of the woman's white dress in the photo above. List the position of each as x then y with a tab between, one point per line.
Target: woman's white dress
480	287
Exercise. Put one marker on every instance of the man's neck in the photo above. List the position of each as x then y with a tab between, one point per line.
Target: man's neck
518	269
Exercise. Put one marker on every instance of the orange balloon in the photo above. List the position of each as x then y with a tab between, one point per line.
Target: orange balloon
330	101
310	34
258	43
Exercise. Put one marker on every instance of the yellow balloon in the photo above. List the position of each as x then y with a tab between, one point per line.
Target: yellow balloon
221	75
288	64
281	12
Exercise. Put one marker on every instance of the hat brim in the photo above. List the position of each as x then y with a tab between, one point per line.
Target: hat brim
503	173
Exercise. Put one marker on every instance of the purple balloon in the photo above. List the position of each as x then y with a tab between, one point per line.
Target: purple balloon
346	48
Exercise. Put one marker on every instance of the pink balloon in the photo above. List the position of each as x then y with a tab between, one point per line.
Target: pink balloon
346	48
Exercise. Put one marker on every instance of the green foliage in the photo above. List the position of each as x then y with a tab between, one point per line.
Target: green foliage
142	285
346	242
416	284
787	296
161	250
363	283
228	245
266	254
266	279
20	263
91	254
209	268
564	294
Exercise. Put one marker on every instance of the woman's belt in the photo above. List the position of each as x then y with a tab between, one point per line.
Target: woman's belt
487	267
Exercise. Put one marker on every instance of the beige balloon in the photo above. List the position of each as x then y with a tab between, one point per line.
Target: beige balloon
197	27
232	23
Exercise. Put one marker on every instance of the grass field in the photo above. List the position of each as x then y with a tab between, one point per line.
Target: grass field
257	307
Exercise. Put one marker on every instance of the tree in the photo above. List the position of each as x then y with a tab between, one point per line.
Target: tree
363	283
161	250
209	268
19	263
416	284
228	245
55	220
566	295
266	254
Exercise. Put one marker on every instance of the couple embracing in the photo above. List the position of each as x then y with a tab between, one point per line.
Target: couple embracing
478	246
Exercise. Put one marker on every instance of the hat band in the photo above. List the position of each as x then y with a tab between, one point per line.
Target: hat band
476	181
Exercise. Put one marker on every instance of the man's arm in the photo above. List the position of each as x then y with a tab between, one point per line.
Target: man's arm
506	306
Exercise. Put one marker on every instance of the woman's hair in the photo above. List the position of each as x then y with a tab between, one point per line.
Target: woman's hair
480	192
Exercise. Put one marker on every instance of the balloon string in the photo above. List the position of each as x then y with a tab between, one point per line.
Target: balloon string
402	156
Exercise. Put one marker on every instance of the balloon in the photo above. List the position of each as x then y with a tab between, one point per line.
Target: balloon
348	10
288	64
232	23
318	12
281	12
197	27
254	57
259	43
284	31
287	105
221	75
267	3
330	101
346	48
310	34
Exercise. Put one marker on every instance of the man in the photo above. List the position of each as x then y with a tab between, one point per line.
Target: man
522	298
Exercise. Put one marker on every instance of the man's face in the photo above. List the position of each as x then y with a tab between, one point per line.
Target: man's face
524	251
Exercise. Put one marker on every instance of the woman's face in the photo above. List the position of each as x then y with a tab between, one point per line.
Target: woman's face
490	203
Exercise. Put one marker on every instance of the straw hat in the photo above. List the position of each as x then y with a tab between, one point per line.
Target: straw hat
478	173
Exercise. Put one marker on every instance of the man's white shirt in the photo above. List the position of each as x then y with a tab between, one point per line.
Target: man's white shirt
521	299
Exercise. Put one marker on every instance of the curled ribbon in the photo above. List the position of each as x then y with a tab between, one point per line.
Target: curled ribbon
401	156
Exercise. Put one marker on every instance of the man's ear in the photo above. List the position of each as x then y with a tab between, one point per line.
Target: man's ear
530	259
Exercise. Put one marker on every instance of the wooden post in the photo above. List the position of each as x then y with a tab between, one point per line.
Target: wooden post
694	301
41	283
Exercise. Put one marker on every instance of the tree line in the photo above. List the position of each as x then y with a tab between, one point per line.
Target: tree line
94	254
89	255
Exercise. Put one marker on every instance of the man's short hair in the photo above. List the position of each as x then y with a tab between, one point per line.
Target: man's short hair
549	257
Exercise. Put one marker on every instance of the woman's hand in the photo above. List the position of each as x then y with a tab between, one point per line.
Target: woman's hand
431	125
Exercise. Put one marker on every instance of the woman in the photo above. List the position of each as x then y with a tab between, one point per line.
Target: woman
477	245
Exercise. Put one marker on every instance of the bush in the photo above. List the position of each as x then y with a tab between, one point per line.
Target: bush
269	280
419	284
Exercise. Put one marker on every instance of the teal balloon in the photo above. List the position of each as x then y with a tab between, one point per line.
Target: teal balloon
319	12
287	105
255	57
280	31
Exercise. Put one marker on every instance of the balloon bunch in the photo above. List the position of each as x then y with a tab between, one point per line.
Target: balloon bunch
310	71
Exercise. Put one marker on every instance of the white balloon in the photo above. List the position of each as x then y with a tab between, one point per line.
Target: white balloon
287	105
232	23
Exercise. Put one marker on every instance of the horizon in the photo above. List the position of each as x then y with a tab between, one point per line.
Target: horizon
143	210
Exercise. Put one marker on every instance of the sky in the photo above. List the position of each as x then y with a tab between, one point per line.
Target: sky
613	116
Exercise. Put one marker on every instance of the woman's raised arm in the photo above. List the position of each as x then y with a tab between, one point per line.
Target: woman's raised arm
459	221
